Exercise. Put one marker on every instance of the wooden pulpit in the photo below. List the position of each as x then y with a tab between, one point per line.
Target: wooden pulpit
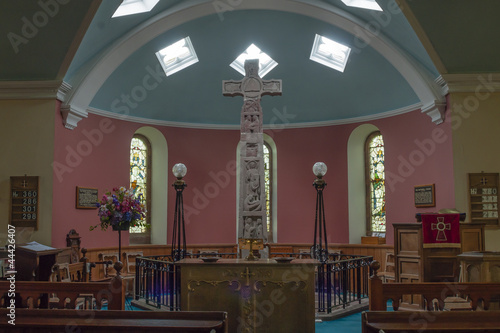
414	263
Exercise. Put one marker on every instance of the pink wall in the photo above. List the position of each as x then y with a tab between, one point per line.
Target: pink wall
210	198
418	152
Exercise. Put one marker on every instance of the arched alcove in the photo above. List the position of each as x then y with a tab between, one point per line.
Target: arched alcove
159	195
356	181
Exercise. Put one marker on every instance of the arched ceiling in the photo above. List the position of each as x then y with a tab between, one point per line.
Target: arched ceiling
389	70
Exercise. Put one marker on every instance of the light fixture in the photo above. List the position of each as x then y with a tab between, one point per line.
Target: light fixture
366	4
319	169
330	53
266	63
177	56
130	7
179	229
179	170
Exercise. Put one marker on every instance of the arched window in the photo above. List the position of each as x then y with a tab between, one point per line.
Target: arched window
268	176
140	179
375	184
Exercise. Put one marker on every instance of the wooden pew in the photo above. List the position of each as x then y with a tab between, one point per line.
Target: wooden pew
427	321
84	321
64	295
434	296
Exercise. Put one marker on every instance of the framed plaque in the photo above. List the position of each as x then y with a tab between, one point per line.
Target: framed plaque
24	200
425	196
86	197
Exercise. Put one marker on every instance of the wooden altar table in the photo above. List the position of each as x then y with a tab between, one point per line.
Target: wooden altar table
259	296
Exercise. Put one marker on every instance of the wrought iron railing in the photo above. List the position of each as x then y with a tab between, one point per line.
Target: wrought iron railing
157	282
341	280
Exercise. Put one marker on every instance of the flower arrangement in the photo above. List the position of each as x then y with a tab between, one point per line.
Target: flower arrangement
120	208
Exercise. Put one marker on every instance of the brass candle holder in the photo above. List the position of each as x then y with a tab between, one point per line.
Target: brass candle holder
251	244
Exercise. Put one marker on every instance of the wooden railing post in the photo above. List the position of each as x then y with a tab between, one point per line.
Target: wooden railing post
85	260
375	293
117	289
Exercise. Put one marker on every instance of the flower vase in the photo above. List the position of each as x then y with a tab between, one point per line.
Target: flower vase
121	226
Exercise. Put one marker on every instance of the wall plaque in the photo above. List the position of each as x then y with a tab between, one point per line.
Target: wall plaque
86	198
425	196
24	200
483	198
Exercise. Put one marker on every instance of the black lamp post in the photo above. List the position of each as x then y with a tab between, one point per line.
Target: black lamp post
179	232
320	251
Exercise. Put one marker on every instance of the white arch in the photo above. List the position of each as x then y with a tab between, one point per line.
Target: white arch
92	76
356	181
159	183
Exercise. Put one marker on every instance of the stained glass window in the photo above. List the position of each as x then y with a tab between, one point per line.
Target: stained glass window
268	186
139	173
375	184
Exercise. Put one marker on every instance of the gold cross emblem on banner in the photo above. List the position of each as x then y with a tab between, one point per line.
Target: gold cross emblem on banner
440	226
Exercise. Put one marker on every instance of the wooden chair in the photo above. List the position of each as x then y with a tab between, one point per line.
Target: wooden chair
105	258
389	272
129	274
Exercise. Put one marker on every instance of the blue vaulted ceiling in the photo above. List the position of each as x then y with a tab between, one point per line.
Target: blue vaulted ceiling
373	84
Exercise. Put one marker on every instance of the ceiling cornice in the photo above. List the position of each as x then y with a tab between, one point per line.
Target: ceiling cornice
472	82
271	127
29	89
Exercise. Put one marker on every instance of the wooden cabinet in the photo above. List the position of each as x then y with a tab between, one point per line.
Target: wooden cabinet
483	198
417	264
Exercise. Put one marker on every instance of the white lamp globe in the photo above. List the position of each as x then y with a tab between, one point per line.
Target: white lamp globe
179	170
319	169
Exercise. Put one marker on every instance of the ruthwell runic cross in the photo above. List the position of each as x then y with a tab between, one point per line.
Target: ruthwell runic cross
440	226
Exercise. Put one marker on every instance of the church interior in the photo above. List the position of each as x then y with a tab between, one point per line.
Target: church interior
80	80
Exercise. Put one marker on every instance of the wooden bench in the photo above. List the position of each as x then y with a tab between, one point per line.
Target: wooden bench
64	295
434	297
427	321
83	321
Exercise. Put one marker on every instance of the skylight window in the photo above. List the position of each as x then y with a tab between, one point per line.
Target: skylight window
130	7
366	4
266	63
177	56
330	53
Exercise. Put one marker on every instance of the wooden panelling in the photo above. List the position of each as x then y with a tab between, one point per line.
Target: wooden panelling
377	251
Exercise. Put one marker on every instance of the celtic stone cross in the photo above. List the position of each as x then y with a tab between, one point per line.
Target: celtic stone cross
252	201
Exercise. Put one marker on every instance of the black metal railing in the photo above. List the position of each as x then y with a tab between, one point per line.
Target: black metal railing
157	283
341	280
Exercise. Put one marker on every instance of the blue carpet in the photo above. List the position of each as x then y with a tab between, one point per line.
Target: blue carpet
349	324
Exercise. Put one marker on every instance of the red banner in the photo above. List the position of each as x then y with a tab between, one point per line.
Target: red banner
441	230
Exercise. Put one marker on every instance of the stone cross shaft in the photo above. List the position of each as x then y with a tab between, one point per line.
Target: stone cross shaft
252	220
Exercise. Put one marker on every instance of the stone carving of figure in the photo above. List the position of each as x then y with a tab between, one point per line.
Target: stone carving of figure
259	231
252	199
250	229
247	227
